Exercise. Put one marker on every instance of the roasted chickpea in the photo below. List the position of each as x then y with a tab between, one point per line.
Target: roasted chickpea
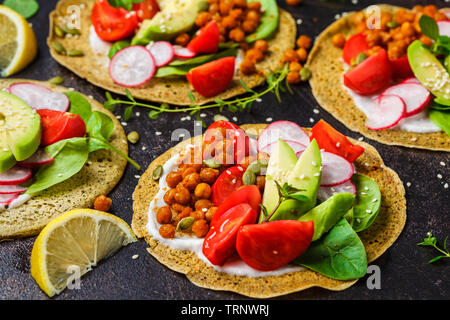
203	204
338	40
182	39
225	7
202	191
293	2
358	17
293	77
252	15
210	213
254	55
197	214
173	178
247	67
202	18
254	6
237	35
302	54
236	13
261	182
361	27
261	45
185	213
249	26
438	16
430	10
290	55
169	196
417	8
191	181
304	42
167	231
263	156
177	207
213	8
240	3
182	195
164	215
209	175
426	41
200	228
229	22
102	203
407	29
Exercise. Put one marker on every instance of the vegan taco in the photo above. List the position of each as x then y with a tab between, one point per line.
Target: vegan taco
384	72
172	51
253	209
60	150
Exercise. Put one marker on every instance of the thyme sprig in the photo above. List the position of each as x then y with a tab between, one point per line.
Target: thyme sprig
274	84
432	242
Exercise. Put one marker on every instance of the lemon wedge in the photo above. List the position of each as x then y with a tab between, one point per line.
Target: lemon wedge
18	45
70	245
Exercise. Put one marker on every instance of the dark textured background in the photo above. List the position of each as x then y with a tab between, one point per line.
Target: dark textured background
405	273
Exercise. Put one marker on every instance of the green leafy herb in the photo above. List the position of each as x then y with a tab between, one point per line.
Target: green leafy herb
117	46
127	4
441	45
432	242
26	8
441	118
368	202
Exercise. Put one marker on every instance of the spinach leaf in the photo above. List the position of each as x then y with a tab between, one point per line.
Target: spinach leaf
441	119
368	202
429	27
79	105
26	8
127	4
205	58
100	125
69	156
173	71
117	46
340	254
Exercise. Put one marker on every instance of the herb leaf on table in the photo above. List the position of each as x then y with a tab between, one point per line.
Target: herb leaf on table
431	241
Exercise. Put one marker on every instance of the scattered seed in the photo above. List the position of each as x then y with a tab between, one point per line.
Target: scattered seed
59	32
133	137
211	163
75	53
58	47
56	80
185	223
134	257
157	173
219	117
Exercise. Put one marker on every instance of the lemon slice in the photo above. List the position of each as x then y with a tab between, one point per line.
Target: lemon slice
18	45
72	244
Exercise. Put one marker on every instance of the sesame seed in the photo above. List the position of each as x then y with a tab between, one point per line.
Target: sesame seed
369	211
158	133
134	257
408	184
442	163
316	174
269	119
446	185
360	138
439	176
311	120
374	200
316	111
124	124
137	176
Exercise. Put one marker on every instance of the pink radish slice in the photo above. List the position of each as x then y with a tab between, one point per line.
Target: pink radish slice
12	189
335	169
297	147
411	80
415	96
132	66
253	147
15	175
183	53
327	192
386	112
285	130
8	198
162	51
444	28
38	159
39	97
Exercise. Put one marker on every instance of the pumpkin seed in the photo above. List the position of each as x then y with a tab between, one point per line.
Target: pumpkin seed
157	173
185	223
74	32
133	137
59	31
254	167
211	163
248	178
218	117
75	53
58	47
305	74
263	162
56	80
361	57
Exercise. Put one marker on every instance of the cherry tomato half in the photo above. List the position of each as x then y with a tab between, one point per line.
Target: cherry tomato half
58	125
229	181
220	242
146	9
371	75
112	24
335	142
213	77
269	246
401	68
207	40
354	46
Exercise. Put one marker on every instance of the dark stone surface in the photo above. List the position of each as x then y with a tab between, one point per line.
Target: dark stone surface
405	273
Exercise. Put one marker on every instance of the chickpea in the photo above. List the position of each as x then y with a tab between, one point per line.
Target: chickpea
302	55
236	13
254	6
293	77
202	18
304	42
187	171
249	26
240	3
182	195
254	55
430	10
262	156
339	40
173	178
438	16
197	215
203	204
191	181
290	55
247	67
213	8
261	182
185	213
202	191
167	231
261	45
237	35
426	41
225	7
200	228
417	8
209	175
182	39
177	207
293	2
408	29
164	215
210	213
357	18
169	196
361	27
102	203
252	15
229	22
374	38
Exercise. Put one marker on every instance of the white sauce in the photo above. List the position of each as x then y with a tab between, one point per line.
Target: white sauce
21	199
100	47
234	265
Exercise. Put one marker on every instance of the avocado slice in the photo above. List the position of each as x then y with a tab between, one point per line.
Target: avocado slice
175	17
20	130
430	72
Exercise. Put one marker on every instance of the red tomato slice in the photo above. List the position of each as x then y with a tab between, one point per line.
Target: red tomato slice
229	181
57	125
220	130
213	77
248	194
401	68
335	142
220	242
371	75
112	24
354	46
269	246
146	9
207	40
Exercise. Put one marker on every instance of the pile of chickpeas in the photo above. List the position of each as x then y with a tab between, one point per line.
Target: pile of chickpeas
396	31
295	58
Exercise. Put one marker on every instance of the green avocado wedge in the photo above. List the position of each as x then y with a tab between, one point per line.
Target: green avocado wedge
20	130
269	21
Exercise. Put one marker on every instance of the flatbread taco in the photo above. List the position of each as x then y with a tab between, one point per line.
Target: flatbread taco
269	210
172	51
60	151
384	72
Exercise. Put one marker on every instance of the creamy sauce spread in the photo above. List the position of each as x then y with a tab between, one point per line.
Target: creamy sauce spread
100	47
234	265
21	199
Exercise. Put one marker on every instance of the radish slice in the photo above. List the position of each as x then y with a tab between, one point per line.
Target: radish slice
415	96
8	198
446	11
253	147
38	159
162	51
327	192
285	130
297	147
335	169
15	175
132	66
411	80
12	189
387	111
444	28
39	97
183	53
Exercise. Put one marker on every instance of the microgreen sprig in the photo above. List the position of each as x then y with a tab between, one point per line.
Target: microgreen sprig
432	242
274	85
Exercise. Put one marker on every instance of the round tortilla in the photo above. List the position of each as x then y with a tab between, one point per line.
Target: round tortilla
325	62
99	176
175	90
377	238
